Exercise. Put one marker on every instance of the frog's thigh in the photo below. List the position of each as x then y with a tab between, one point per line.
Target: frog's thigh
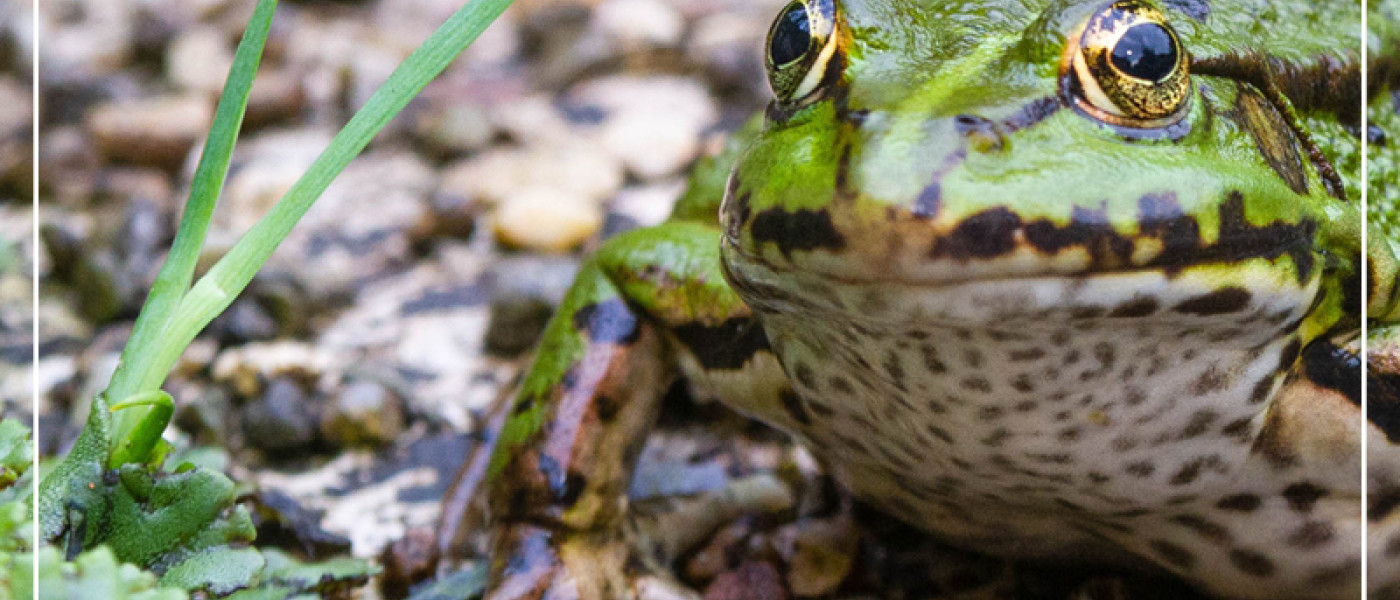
565	456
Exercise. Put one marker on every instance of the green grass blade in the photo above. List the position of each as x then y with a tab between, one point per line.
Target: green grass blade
177	272
216	290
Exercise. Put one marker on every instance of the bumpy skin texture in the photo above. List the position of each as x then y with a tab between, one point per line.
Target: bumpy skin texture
992	314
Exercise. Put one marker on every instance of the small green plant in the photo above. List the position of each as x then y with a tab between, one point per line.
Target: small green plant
110	502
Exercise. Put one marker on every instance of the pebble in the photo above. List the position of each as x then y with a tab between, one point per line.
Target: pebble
364	413
281	419
492	176
640	22
198	60
516	324
155	131
544	220
653	125
245	368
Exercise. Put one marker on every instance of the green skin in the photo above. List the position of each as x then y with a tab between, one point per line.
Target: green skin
882	189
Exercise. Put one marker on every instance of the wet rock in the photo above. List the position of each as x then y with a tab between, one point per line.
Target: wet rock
636	23
727	46
84	39
580	171
276	96
364	413
247	368
408	561
751	581
204	413
283	521
158	131
547	220
516	323
281	419
820	555
244	321
653	125
648	205
454	129
362	228
16	153
198	60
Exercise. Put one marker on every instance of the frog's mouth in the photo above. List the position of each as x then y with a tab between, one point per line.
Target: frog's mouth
902	247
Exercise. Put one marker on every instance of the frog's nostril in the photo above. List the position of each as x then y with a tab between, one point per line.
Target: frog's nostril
982	134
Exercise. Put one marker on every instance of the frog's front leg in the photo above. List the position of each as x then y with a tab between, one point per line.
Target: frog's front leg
558	476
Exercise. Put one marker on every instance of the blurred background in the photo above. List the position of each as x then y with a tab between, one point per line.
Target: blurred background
16	209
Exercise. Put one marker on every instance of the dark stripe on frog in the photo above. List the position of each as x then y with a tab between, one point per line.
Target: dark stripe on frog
1383	398
608	322
727	346
1033	112
993	232
1335	368
1222	301
800	230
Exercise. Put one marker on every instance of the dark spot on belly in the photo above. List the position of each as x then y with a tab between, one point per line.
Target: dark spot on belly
1312	534
1383	503
1137	307
793	405
1239	503
1140	468
1026	355
1302	496
977	384
1200	421
608	322
803	229
1212	380
1222	301
1252	563
1172	553
1210	531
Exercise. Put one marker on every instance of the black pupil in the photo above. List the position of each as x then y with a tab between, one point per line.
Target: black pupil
1145	51
791	35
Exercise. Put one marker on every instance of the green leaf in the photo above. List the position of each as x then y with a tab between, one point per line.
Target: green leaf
97	574
221	570
467	584
133	375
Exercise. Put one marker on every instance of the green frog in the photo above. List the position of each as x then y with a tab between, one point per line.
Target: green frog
1049	279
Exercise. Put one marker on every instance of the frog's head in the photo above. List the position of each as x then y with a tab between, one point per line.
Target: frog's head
930	144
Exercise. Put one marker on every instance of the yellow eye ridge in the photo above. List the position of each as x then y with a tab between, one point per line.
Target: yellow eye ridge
801	44
1128	67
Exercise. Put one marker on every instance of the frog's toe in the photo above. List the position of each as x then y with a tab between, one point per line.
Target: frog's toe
532	563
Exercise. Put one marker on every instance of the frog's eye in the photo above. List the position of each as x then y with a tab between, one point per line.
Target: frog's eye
1127	67
801	44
